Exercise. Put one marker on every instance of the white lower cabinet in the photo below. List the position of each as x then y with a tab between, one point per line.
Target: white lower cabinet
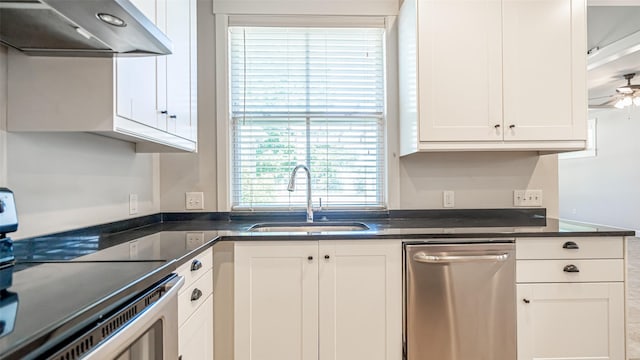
571	321
196	334
276	301
571	298
195	308
313	300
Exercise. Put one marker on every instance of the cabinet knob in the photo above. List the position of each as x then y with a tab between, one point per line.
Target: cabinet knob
173	116
570	245
526	301
164	112
571	269
196	294
310	258
327	257
511	126
496	126
196	265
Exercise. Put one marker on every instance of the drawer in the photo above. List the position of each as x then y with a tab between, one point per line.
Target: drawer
596	270
187	306
205	258
601	247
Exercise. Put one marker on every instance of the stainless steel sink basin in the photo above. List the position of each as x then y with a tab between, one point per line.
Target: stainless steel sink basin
308	227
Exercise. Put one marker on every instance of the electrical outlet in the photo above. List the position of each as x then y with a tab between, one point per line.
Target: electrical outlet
527	198
448	199
193	240
194	201
133	204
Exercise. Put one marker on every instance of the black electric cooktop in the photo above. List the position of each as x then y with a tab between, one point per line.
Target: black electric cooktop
49	302
159	246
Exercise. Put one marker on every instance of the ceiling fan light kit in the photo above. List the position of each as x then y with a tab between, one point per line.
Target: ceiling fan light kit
629	93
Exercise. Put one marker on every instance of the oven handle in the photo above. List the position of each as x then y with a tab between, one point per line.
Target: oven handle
114	345
436	259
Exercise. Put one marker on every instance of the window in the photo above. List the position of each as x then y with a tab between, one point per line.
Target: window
312	96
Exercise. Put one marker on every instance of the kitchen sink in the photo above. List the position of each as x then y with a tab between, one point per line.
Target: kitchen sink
308	227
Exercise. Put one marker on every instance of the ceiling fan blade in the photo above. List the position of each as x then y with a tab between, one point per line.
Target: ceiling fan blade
599	107
609	104
601	97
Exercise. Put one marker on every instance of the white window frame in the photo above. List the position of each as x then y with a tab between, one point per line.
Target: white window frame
223	112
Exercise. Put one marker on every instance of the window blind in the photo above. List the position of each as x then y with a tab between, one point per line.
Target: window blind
312	96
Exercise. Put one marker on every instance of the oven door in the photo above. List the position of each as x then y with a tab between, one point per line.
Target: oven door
144	329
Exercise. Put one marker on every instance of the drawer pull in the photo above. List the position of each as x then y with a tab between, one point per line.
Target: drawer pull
571	269
570	245
526	301
196	265
196	294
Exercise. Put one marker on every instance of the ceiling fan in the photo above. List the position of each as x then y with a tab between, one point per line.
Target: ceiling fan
625	95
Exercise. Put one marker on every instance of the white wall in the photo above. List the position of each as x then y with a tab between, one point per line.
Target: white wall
605	189
64	181
479	179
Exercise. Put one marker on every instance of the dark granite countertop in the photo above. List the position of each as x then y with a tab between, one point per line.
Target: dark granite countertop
48	302
162	237
133	253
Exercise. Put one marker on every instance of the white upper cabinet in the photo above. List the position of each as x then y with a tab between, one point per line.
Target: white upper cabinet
180	68
492	75
148	100
460	75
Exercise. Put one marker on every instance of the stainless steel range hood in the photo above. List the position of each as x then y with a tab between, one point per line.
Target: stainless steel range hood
85	28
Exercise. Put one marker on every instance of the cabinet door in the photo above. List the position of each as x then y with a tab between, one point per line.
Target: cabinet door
459	70
179	67
276	300
136	80
571	321
161	70
544	70
360	300
195	336
136	89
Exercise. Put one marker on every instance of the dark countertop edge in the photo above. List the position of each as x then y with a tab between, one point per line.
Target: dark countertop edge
411	237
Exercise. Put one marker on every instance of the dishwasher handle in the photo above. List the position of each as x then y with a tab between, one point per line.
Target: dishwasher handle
444	259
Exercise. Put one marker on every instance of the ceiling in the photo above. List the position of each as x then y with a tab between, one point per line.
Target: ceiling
607	26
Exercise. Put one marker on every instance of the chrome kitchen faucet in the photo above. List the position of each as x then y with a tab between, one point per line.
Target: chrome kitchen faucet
292	187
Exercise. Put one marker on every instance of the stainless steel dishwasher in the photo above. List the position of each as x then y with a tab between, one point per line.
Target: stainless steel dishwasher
460	301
